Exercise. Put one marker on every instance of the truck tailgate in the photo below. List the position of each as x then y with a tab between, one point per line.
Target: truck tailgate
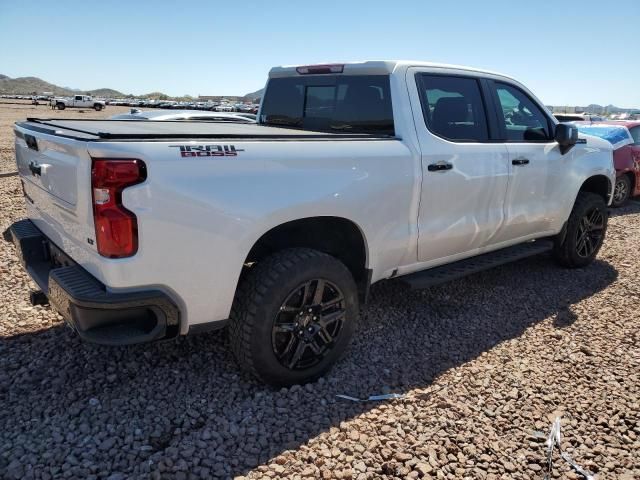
56	175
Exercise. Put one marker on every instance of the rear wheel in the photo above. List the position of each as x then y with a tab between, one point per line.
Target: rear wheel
97	107
60	106
294	315
585	232
621	191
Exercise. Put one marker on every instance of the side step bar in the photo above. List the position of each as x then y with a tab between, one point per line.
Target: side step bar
468	266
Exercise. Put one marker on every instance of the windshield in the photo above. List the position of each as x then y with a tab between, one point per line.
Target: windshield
615	135
335	103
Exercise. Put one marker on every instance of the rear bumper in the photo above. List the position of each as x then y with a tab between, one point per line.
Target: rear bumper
97	315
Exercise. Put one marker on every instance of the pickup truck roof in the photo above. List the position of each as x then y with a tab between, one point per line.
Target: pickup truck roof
377	67
101	130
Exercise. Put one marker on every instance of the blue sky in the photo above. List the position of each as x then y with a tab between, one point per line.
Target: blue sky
572	52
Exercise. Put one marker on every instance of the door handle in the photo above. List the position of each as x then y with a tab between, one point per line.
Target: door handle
35	169
520	161
439	167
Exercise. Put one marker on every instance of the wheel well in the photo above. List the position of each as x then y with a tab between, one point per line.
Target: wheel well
335	236
597	184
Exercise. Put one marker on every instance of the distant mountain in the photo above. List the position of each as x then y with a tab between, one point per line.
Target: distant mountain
257	95
106	92
34	85
594	108
37	86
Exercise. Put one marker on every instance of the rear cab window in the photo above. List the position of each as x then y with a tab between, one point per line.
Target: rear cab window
330	103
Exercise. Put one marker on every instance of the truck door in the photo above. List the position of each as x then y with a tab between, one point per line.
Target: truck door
77	101
536	164
465	173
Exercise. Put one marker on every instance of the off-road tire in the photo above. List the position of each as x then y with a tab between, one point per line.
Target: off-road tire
566	243
60	106
261	293
619	199
97	107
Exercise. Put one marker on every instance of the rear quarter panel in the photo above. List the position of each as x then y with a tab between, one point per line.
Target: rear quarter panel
198	217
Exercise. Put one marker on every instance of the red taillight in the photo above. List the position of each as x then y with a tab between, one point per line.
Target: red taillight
319	69
116	227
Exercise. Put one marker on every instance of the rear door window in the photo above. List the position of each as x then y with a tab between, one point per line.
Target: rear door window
635	133
333	103
453	107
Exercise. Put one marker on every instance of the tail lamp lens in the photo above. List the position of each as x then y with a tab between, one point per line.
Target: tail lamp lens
116	227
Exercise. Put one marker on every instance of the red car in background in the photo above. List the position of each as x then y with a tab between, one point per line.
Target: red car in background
625	138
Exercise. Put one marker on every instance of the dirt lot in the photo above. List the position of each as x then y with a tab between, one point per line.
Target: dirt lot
15	110
486	363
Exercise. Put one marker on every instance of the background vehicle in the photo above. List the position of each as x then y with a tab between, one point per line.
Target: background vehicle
183	115
356	173
625	138
577	117
77	101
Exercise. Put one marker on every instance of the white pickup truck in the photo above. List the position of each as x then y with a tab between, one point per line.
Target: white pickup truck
77	101
357	172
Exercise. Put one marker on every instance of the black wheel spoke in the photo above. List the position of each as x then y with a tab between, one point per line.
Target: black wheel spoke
332	303
327	320
285	327
297	354
319	292
305	294
595	218
325	336
315	348
289	309
588	245
291	345
580	246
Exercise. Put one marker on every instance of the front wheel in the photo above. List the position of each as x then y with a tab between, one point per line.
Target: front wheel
621	191
585	232
293	317
97	107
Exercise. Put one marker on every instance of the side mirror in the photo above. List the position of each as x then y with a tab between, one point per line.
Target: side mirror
566	136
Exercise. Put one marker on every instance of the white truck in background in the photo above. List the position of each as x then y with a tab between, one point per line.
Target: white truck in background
356	172
77	101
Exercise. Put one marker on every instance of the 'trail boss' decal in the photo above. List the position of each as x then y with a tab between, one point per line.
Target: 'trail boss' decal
208	150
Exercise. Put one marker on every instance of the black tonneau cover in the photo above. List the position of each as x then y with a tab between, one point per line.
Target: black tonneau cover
97	130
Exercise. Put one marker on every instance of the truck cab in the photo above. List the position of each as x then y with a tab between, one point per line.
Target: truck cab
78	101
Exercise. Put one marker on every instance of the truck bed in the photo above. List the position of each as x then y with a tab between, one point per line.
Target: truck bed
105	130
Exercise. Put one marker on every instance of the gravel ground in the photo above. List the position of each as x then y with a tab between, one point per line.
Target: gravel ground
486	363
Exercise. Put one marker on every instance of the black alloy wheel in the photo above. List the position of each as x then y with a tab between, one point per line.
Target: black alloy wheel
590	233
308	324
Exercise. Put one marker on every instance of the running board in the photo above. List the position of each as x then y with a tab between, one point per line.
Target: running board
468	266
